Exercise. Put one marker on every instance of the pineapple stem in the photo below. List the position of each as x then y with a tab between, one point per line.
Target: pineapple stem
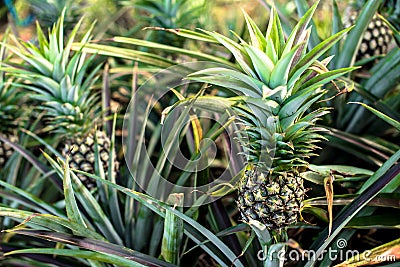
273	244
275	255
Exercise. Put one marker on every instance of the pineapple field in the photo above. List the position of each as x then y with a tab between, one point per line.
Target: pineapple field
200	133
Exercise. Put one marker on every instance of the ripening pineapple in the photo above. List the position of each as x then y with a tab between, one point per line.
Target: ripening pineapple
63	82
377	36
279	82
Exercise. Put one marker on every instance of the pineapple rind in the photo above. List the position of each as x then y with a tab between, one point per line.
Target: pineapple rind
82	155
273	198
376	39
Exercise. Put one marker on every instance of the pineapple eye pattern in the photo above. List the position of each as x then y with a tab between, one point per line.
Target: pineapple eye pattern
376	39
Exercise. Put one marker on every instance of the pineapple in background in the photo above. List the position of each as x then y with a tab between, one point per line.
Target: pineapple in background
377	37
47	12
166	14
280	83
11	113
63	81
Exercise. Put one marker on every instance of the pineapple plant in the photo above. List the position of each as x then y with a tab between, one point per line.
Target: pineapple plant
279	83
63	82
377	36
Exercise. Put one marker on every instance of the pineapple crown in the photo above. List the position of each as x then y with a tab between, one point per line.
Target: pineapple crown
171	14
60	79
11	114
278	80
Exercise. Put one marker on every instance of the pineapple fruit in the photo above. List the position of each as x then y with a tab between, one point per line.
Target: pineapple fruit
274	199
63	82
278	82
377	36
82	153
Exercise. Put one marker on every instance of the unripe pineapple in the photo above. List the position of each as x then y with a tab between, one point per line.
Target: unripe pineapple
63	81
82	156
377	36
278	82
376	39
275	199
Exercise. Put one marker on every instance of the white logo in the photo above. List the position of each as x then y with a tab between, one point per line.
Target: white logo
341	243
